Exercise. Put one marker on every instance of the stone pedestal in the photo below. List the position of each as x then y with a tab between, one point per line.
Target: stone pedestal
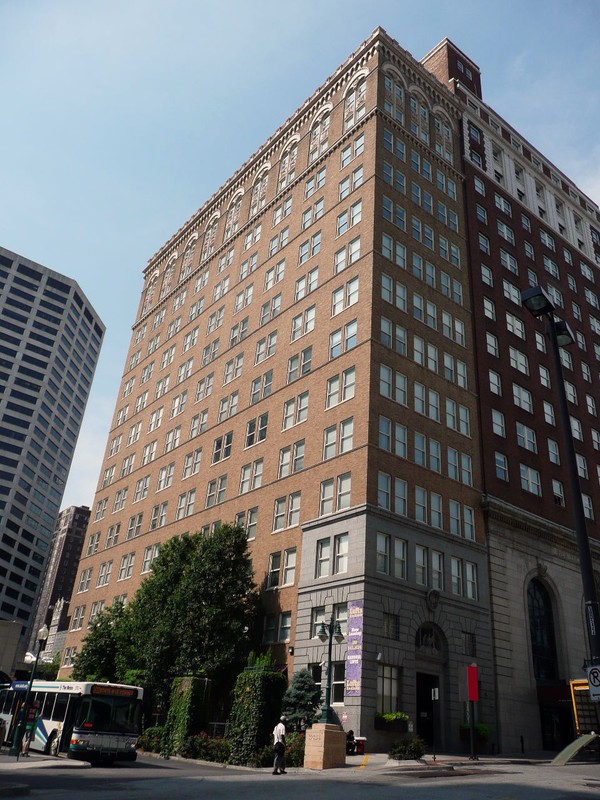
325	747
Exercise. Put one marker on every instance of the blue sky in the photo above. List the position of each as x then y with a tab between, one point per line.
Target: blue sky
121	117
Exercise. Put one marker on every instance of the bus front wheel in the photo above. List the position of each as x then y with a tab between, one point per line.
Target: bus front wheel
52	746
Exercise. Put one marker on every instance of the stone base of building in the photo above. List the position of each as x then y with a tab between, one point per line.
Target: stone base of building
325	747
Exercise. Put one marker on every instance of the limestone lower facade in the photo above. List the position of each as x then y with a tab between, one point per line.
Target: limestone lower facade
538	626
407	644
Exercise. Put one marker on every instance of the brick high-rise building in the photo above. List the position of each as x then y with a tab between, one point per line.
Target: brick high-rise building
332	352
51	338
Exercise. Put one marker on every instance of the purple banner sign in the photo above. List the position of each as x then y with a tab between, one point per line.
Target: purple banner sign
355	647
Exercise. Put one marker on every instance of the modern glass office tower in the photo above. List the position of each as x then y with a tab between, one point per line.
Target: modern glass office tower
50	338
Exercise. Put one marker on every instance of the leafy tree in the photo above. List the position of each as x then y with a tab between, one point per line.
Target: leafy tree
48	670
301	700
192	615
98	656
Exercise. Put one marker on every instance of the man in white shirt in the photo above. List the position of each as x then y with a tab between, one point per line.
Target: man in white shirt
279	747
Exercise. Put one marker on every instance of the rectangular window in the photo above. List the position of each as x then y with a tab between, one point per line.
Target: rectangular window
383	553
323	558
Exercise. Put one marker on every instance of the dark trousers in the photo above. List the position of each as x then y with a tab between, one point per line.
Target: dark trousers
279	762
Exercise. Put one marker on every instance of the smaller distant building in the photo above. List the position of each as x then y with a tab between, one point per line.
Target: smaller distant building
61	568
57	630
10	631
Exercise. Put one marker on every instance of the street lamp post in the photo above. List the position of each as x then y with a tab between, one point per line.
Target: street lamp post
537	303
15	749
330	631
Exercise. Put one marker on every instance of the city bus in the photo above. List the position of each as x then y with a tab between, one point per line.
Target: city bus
87	721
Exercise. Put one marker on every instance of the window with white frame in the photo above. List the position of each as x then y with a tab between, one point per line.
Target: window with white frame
215	491
530	479
291	459
306	284
295	410
522	397
266	347
256	430
287	511
251	476
150	555
191	463
222	447
299	365
104	573
126	566
261	387
501	463
158	515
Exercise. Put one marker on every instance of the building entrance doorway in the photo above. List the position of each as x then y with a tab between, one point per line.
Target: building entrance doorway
426	706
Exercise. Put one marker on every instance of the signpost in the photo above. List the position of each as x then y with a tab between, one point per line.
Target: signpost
593	673
473	697
435	696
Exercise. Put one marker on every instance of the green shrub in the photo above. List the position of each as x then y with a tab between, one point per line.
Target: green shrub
294	752
205	748
394	716
407	748
482	732
256	708
151	739
187	709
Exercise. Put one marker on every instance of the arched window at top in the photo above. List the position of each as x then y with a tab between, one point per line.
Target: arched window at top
258	197
287	166
354	107
167	283
393	100
188	256
149	296
319	137
419	118
210	235
443	137
232	219
541	631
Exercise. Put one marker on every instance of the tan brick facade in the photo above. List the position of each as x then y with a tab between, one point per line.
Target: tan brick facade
333	268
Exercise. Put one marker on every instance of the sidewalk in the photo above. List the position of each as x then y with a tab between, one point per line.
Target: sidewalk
443	761
11	769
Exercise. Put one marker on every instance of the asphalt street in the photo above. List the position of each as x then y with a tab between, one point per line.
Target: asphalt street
375	777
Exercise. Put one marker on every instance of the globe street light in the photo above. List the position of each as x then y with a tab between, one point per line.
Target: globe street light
330	631
539	304
15	750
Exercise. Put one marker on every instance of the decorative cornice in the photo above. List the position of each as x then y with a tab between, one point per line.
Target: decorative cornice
293	124
518	520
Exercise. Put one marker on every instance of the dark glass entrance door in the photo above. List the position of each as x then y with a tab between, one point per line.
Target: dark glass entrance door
425	716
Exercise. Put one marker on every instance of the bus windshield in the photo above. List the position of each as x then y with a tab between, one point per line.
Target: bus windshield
109	714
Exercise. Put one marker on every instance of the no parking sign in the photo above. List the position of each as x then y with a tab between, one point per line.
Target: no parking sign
593	674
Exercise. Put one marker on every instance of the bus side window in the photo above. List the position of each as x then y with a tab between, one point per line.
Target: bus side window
60	707
48	705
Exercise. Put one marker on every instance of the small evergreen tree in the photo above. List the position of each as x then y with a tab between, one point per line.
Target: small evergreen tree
301	700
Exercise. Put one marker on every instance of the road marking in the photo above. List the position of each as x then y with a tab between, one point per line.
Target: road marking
364	762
